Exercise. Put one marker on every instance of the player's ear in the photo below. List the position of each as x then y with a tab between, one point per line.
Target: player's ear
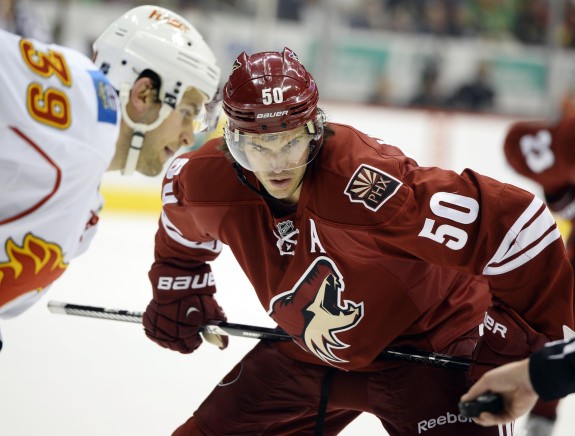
143	96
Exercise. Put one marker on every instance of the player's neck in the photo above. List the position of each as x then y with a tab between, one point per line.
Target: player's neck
122	147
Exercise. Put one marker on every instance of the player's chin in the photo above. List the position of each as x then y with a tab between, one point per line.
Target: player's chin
151	169
280	194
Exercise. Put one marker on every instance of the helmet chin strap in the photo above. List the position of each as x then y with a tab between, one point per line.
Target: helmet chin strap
139	129
242	177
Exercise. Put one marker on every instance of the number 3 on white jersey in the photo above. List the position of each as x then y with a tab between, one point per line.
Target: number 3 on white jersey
456	208
537	151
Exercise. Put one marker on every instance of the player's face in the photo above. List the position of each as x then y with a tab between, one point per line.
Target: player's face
176	130
285	185
282	159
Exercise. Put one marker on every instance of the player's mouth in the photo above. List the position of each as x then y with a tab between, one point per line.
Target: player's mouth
169	152
280	182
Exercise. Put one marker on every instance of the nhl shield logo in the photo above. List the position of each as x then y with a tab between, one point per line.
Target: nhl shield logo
371	186
287	237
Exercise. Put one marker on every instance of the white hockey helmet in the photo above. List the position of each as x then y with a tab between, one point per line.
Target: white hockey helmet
157	39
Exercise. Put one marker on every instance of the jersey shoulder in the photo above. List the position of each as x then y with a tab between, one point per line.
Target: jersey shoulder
207	175
84	107
359	179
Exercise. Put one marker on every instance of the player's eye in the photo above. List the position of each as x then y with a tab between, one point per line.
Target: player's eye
187	112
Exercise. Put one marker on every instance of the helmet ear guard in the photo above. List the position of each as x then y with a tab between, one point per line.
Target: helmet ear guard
315	127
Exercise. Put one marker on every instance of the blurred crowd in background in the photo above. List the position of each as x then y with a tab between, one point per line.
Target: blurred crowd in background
525	21
494	82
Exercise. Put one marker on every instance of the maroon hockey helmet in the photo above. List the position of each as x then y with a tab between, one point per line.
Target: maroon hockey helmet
270	93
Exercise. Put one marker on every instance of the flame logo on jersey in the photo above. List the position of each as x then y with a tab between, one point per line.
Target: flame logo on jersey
32	266
371	186
313	311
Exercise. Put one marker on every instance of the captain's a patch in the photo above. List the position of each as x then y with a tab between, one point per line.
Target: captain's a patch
371	186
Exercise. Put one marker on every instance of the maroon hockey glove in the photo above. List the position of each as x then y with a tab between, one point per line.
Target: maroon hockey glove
176	313
506	338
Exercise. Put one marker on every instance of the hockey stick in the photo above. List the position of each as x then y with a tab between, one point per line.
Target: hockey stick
221	328
230	329
491	403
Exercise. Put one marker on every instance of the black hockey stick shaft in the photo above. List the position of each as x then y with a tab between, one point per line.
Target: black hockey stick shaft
221	328
256	332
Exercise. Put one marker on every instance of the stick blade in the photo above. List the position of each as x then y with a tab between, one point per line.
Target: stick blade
57	307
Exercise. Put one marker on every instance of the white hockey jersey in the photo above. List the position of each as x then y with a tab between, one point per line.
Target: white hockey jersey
59	122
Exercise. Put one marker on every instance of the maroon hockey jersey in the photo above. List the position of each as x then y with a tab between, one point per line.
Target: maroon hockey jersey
380	252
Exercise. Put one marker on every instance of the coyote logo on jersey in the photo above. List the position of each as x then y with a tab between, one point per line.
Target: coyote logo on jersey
314	313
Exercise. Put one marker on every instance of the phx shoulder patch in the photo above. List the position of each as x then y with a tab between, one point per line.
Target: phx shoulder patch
371	186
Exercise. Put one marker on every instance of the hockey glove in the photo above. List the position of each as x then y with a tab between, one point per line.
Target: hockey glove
506	338
174	316
562	203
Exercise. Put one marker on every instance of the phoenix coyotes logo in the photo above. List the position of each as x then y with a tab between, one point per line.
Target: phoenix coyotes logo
314	313
371	187
34	265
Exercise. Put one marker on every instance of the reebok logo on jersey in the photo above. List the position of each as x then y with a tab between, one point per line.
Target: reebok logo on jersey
448	418
371	186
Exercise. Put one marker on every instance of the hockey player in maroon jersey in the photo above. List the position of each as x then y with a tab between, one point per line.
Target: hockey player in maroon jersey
352	248
543	152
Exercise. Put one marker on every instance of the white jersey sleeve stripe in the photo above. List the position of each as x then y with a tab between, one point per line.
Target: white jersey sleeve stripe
175	234
532	232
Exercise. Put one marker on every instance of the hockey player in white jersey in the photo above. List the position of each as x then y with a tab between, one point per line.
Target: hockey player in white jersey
65	120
